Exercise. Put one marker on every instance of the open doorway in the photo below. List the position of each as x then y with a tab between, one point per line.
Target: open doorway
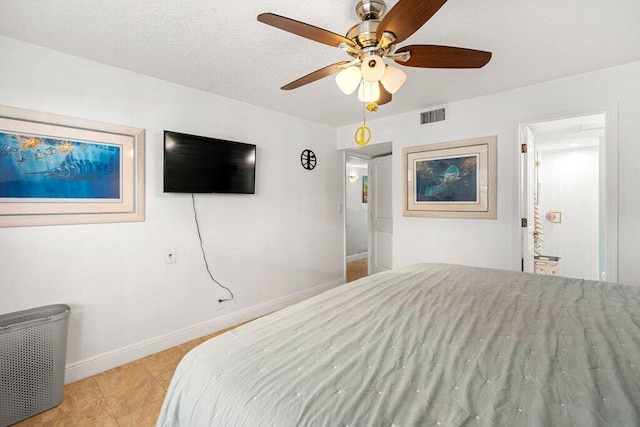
358	198
356	217
564	199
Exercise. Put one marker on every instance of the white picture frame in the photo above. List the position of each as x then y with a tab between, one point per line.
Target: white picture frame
451	179
42	149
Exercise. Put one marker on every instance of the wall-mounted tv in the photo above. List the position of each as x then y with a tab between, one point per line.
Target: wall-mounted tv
197	164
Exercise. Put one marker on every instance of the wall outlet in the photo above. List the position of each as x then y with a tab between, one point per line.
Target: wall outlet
171	256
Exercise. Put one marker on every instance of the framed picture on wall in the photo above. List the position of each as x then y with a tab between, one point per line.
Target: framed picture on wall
451	179
365	189
63	170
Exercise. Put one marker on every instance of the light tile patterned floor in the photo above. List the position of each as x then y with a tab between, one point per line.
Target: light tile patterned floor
130	395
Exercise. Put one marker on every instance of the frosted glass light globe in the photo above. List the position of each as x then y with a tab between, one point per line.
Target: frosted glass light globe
348	79
372	68
393	79
369	92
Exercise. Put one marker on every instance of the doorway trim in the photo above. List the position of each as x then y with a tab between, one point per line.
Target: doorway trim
367	152
609	176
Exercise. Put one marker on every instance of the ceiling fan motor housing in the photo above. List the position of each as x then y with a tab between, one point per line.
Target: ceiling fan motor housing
370	9
363	34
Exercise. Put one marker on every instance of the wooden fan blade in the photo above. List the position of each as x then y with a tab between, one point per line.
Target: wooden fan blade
385	96
430	56
407	16
316	75
304	30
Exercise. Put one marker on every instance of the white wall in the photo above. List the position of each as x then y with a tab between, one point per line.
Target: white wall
494	243
356	211
272	248
569	182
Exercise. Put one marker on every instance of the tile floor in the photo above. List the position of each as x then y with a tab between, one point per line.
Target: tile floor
132	394
129	395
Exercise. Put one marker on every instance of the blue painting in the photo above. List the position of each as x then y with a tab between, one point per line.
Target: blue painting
40	167
451	179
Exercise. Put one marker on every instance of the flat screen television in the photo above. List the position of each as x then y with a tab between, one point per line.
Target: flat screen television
197	164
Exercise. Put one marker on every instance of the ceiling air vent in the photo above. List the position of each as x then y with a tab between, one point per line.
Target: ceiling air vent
433	116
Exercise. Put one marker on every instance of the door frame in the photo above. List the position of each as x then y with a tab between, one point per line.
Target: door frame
343	206
608	203
368	152
527	176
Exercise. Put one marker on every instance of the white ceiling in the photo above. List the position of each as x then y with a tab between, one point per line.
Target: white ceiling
569	133
220	47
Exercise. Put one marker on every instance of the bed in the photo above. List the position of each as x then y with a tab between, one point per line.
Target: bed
430	344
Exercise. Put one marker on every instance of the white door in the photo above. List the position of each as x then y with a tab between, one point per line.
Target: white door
528	183
380	215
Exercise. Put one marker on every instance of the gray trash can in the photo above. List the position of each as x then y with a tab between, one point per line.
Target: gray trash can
33	351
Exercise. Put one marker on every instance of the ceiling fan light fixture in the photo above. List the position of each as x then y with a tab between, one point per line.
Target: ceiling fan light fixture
348	79
369	92
373	39
393	79
372	68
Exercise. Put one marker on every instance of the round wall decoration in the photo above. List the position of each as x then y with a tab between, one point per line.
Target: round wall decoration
308	159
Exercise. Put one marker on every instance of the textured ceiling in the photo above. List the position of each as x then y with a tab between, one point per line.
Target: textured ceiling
220	47
574	132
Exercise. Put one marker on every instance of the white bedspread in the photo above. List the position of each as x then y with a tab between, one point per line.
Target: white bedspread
425	345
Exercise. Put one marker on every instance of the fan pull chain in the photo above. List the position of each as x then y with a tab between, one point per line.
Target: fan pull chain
363	133
364	120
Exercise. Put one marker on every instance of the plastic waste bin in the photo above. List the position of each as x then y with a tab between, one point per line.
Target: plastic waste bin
33	351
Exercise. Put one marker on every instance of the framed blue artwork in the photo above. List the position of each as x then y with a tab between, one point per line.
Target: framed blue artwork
451	179
63	170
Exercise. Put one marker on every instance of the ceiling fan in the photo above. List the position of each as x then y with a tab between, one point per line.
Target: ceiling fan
375	38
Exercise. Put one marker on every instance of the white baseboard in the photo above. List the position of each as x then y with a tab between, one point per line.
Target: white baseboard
356	257
81	369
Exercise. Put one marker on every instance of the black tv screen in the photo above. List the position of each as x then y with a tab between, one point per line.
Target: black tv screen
197	164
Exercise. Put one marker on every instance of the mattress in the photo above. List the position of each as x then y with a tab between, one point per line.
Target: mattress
430	344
